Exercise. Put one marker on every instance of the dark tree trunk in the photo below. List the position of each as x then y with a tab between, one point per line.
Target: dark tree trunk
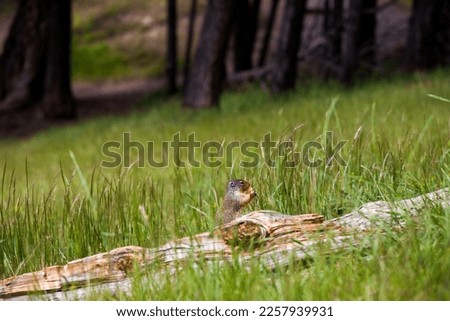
171	68
359	39
245	33
268	33
333	23
206	76
35	64
190	37
58	100
284	66
21	82
366	40
350	44
429	35
336	35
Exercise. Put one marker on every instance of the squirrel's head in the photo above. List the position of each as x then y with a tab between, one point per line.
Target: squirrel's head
241	191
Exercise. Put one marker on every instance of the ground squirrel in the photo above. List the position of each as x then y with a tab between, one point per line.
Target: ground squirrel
239	194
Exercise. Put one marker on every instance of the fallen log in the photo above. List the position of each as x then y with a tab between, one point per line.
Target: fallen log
273	237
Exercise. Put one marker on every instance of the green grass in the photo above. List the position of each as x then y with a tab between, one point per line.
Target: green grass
97	61
115	39
55	208
108	46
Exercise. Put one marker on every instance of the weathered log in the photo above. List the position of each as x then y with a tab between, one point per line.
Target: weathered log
272	237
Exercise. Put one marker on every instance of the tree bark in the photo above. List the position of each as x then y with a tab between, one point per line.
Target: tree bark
366	41
333	25
207	73
58	100
350	43
171	69
359	38
336	38
246	26
35	64
190	37
428	42
24	50
272	237
268	33
284	66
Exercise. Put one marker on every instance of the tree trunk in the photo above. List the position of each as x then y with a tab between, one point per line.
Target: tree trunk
429	35
336	37
350	43
171	69
207	73
190	37
333	22
21	78
366	40
275	239
245	33
359	39
284	66
58	100
268	33
35	64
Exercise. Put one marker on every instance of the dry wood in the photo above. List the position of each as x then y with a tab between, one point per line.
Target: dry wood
273	238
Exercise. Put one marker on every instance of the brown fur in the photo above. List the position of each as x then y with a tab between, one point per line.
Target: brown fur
239	194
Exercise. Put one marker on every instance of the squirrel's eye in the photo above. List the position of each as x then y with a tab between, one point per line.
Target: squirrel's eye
241	183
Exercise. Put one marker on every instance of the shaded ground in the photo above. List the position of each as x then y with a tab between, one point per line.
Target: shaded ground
113	97
92	99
